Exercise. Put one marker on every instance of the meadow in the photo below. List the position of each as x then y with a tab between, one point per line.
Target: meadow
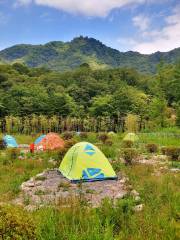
159	194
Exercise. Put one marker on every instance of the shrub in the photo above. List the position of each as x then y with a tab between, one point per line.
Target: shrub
2	144
68	135
109	142
151	148
129	154
83	135
103	137
69	143
172	152
64	186
13	153
128	143
163	150
16	224
61	152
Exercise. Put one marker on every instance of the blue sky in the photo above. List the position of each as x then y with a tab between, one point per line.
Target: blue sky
140	25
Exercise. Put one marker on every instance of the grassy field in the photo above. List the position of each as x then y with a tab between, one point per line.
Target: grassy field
160	195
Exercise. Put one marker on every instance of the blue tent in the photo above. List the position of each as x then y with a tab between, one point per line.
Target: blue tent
10	141
39	139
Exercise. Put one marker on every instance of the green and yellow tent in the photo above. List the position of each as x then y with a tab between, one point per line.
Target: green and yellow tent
86	162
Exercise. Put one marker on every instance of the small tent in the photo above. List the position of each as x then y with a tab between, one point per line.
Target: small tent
39	139
10	141
51	141
131	137
86	162
112	134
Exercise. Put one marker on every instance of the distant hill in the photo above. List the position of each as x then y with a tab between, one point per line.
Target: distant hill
62	56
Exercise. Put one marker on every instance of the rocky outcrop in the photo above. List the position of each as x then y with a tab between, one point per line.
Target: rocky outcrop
50	187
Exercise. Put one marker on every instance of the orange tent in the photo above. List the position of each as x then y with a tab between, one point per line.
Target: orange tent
51	141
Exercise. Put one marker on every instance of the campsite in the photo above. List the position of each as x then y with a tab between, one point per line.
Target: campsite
89	120
39	200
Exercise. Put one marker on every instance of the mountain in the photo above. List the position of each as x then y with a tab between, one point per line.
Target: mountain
62	56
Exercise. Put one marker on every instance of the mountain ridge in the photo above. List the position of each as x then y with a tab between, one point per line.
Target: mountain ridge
64	56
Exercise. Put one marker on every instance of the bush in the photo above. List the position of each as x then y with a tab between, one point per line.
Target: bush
13	153
2	144
172	152
69	143
61	152
68	135
83	135
109	142
103	137
128	143
163	150
129	154
151	148
16	224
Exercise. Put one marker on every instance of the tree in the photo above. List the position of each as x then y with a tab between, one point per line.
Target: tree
102	106
23	100
174	85
62	104
157	111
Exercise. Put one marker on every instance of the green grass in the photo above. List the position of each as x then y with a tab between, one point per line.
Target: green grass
164	137
13	174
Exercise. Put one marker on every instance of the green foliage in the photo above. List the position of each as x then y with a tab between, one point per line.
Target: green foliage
13	153
129	154
127	143
68	135
2	144
116	95
83	135
151	148
103	137
172	152
15	223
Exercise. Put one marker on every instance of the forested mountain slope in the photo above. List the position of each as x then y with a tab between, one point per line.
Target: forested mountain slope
66	56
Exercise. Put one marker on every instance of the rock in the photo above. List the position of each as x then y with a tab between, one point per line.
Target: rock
30	208
138	208
28	184
37	183
52	161
49	191
119	195
137	198
122	181
134	193
175	170
40	175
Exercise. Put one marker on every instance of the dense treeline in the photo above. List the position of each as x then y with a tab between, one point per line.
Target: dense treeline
86	93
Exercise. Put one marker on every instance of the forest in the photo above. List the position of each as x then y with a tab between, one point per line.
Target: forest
83	93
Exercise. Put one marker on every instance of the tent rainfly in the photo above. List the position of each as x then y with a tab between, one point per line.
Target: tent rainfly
85	162
10	141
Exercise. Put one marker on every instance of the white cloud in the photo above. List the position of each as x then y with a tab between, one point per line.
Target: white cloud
22	3
3	18
142	22
124	41
163	40
91	8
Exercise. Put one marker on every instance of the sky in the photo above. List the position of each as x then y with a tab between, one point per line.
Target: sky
145	26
